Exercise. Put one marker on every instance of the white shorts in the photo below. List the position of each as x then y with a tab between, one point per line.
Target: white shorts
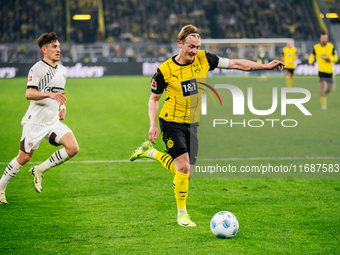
32	135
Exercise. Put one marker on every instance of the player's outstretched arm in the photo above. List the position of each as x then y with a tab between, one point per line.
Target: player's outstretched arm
153	111
248	65
34	94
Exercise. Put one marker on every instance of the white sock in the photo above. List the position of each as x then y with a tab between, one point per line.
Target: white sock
11	171
149	154
58	157
180	213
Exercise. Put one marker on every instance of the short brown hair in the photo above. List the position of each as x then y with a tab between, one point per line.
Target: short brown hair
323	32
47	38
188	30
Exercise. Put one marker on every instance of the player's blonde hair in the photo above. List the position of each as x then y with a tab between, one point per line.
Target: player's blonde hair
188	30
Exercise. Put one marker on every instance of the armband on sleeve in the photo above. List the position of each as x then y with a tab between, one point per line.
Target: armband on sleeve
223	62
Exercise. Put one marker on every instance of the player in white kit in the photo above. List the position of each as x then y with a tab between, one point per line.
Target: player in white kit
45	89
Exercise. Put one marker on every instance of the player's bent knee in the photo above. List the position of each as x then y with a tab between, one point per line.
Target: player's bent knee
23	158
72	150
183	169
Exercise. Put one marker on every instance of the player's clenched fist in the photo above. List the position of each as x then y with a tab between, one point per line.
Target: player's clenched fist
276	64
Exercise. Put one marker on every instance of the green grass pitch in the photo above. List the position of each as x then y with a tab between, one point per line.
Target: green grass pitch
98	203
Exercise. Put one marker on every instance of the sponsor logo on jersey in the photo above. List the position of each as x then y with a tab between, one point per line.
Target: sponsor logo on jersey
30	145
53	89
154	84
30	78
189	87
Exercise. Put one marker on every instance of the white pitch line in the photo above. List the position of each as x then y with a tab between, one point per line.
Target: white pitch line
202	159
88	161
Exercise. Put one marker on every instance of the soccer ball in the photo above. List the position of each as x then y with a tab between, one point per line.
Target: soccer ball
224	224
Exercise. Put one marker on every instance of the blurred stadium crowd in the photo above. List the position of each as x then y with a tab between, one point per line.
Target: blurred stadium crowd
24	20
151	25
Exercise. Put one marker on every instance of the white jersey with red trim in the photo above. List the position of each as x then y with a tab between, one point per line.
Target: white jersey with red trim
45	78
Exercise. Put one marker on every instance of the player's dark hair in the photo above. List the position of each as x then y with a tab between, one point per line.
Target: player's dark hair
47	38
323	32
188	30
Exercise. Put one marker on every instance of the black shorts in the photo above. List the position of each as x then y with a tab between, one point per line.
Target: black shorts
327	77
180	138
290	70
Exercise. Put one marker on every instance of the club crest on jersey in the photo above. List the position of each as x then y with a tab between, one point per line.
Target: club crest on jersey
170	143
154	84
197	70
30	145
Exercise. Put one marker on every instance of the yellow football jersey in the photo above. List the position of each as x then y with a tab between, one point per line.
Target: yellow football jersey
182	84
289	57
324	51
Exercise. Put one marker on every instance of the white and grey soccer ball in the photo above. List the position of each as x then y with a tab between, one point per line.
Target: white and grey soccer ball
224	224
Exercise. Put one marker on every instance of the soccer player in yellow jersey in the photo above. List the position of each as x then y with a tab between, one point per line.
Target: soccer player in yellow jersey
288	58
179	76
325	54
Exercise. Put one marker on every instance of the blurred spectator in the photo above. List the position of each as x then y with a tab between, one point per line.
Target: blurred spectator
93	57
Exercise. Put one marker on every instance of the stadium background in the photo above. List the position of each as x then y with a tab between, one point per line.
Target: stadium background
123	35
